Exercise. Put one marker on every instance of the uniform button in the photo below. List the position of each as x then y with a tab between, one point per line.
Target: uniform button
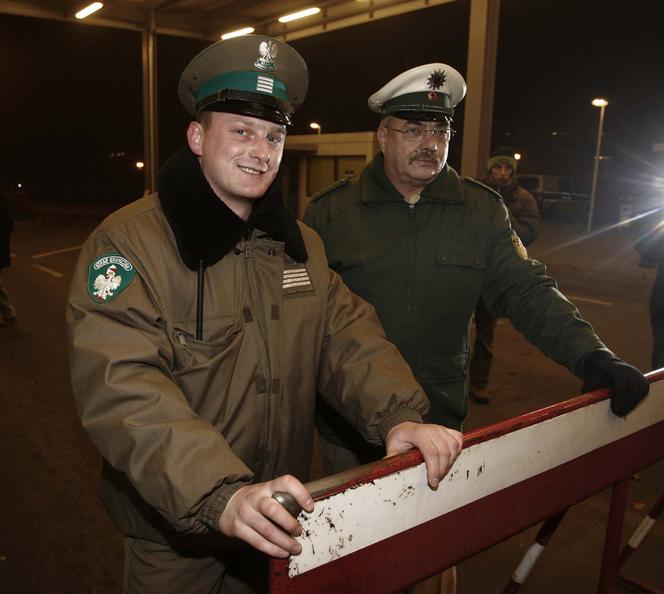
271	252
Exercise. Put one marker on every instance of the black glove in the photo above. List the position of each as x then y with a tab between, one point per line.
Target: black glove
601	369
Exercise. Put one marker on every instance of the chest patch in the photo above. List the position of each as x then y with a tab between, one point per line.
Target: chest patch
108	276
296	280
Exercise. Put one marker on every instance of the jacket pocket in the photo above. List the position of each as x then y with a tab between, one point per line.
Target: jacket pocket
440	368
468	255
444	380
218	336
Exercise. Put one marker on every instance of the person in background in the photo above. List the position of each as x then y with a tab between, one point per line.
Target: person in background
524	219
649	244
202	320
7	311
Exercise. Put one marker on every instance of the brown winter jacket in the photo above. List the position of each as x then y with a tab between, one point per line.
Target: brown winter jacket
183	423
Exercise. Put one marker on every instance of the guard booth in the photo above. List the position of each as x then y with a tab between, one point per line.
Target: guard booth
380	528
314	161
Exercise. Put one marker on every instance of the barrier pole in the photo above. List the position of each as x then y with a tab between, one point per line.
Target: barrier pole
528	561
612	540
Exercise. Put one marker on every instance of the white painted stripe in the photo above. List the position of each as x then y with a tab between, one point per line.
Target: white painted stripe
586	300
296	277
48	270
62	251
295	271
643	529
359	517
522	572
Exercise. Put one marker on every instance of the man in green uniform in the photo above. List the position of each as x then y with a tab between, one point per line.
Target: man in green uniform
524	218
202	320
423	245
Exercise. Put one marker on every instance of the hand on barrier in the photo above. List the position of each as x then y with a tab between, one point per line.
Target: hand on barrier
253	515
601	369
438	445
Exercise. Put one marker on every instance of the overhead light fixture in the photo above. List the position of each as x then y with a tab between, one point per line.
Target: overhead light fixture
299	15
88	10
238	33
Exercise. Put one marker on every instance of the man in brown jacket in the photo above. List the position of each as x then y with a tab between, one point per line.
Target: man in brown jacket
524	219
202	320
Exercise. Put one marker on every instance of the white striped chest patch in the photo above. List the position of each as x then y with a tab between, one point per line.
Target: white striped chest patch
296	280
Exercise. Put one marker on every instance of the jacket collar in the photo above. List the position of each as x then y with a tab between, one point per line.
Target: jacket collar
377	188
205	228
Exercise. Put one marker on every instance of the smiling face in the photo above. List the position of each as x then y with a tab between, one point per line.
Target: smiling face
411	165
239	156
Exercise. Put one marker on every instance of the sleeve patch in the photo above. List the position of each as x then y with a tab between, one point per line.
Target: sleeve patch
519	248
108	276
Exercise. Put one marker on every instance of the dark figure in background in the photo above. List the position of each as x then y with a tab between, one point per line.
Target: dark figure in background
203	320
7	311
650	245
524	218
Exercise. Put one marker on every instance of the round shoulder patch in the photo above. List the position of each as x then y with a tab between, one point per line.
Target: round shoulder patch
108	276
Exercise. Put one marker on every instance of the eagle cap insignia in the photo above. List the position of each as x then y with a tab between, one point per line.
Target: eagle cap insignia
268	57
108	276
436	80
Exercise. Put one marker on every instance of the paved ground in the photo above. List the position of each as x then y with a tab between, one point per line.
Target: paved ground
55	536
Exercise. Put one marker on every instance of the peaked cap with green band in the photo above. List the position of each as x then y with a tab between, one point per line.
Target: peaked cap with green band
427	92
253	75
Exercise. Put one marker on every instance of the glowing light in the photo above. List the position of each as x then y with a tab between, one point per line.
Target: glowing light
299	15
316	126
600	102
238	33
88	10
517	156
140	164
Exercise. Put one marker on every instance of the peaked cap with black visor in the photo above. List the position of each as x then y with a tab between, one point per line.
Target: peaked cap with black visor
251	75
425	93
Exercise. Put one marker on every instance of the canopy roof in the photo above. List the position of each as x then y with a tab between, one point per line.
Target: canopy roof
208	19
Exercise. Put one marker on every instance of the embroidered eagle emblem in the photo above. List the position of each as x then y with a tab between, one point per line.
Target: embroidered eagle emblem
106	285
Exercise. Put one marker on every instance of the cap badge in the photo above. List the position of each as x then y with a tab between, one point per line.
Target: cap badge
267	60
436	79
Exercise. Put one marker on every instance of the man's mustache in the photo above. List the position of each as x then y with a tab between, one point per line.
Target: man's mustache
425	153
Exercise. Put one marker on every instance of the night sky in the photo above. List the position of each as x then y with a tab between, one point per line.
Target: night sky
71	94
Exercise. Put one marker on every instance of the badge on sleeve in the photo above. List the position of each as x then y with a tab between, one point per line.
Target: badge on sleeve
519	248
108	276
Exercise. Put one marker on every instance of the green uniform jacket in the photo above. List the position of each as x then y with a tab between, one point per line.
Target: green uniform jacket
182	423
424	268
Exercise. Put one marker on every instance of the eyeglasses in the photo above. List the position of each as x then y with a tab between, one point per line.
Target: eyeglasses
416	134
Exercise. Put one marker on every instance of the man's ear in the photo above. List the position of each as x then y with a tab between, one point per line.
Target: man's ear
195	134
380	135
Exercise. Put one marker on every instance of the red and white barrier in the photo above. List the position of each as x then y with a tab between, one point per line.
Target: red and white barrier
380	528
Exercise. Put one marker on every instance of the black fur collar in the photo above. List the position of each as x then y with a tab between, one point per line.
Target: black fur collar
205	228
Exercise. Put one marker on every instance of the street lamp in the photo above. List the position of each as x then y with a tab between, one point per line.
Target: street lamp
316	127
601	103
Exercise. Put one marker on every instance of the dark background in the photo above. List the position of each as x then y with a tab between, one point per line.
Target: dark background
71	103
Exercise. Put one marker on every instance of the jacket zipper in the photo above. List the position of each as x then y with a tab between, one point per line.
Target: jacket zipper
257	305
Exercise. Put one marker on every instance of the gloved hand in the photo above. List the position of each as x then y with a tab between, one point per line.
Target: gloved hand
604	370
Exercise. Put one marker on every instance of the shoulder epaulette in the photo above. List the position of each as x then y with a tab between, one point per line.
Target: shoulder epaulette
337	184
479	184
